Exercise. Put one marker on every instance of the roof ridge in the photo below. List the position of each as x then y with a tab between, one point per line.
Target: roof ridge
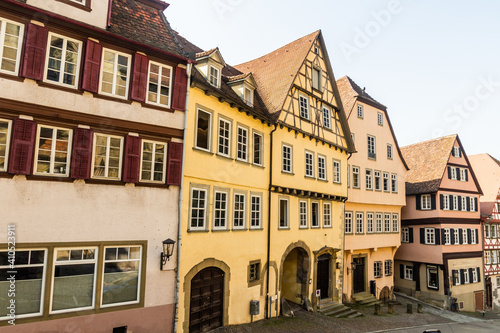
429	140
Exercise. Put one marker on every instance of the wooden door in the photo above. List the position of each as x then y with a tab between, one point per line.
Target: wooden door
207	296
359	275
479	300
323	275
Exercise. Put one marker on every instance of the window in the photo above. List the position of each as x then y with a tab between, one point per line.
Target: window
214	76
82	2
487	258
456	277
355	177
53	151
224	144
348	175
425	202
254	272
255	212
493	231
377	269
472	204
239	211
378	222
378	181
456	237
304	106
386	182
5	126
242	144
394	183
29	281
316	78
321	167
122	267
369	223
463	175
257	148
248	96
309	164
314	215
455	202
447	236
473	239
456	151
115	73
303	214
360	223
474	275
446	202
389	151
465	239
153	161
360	111
348	222
287	159
159	84
387	222
203	129
494	257
220	209
466	276
371	147
408	272
11	37
395	222
487	231
464	203
388	267
336	171
430	236
432	277
380	119
405	235
327	215
107	156
369	181
453	173
198	208
327	118
63	56
74	279
283	213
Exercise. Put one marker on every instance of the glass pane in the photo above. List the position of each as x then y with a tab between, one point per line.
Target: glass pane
111	253
12	29
73	286
72	47
109	56
76	255
56	42
120	282
62	255
154	69
28	290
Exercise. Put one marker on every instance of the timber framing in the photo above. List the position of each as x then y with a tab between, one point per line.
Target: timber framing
306	193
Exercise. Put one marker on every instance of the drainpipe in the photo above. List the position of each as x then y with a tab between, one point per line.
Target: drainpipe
268	308
489	217
343	246
179	227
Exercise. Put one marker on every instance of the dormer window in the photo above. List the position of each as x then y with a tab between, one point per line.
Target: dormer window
248	96
214	77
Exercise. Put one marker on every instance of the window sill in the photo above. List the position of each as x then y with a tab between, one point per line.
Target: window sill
323	180
258	166
242	161
283	228
287	173
203	151
256	229
61	87
65	179
197	231
104	181
219	230
13	76
310	177
79	6
239	229
157	107
112	98
223	156
146	184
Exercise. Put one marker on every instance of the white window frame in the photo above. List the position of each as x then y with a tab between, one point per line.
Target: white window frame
315	223
107	156
430	236
115	73
369	179
462	174
425	202
209	132
370	218
152	170
255	211
405	235
408	272
377	180
303	223
348	222
248	96
474	275
360	223
309	164
377	269
356	183
286	162
455	202
464	203
52	151
242	144
7	142
466	276
389	152
361	113
327	117
380	119
336	172
447	236
394	182
386	181
304	106
159	85
379	221
286	218
446	202
316	75
473	239
472	204
465	239
428	271
387	222
19	49
224	135
348	175
395	222
322	167
372	147
453	173
214	79
456	236
487	257
63	61
198	208
327	215
238	211
258	148
456	151
225	210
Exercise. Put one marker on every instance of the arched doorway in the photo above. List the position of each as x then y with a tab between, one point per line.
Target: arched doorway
207	300
295	275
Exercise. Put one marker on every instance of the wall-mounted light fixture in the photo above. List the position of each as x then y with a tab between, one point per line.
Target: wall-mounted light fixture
352	267
168	249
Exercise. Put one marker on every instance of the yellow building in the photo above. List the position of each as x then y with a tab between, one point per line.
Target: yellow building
376	188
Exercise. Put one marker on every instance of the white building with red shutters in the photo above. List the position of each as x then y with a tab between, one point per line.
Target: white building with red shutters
92	100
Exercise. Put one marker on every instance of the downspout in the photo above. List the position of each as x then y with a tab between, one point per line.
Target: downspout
108	20
343	244
490	217
268	309
179	227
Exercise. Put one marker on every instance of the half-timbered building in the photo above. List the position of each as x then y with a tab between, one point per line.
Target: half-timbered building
92	100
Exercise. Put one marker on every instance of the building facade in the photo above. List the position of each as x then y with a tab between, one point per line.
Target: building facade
440	258
487	170
91	127
376	193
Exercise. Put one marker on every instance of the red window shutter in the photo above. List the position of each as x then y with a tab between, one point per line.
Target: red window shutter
81	157
34	52
174	163
92	66
139	78
23	143
180	86
132	159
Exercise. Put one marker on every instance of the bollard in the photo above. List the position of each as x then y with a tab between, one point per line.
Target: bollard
409	308
377	310
420	308
390	308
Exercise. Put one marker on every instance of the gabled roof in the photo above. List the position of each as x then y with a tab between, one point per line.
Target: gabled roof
350	92
427	162
276	71
212	53
487	170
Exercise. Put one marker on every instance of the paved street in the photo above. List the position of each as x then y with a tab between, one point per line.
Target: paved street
476	326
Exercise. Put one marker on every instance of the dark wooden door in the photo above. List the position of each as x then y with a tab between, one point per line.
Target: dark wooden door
479	300
359	275
323	275
489	293
207	295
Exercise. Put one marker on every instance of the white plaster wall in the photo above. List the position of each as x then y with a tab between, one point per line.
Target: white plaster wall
49	211
97	17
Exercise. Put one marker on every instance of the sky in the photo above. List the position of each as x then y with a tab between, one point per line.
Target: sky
434	64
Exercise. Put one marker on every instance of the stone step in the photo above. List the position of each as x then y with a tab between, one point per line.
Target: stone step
355	314
338	312
330	306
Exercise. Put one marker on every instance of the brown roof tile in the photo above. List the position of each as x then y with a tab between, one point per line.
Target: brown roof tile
427	162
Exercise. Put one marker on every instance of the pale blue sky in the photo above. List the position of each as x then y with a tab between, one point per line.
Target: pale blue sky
434	64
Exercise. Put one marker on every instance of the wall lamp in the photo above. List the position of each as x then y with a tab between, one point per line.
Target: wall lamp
352	267
168	249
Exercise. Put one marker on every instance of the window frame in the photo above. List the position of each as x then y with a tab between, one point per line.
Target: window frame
214	80
221	135
327	117
337	175
447	236
405	235
52	151
258	148
348	222
386	181
106	166
322	169
387	222
371	147
360	111
303	215
115	73
464	203
462	174
242	211
63	61
199	208
227	203
408	272
394	183
472	204
377	180
309	164
286	213
164	167
327	215
379	223
209	130
356	180
254	212
377	269
465	239
360	223
19	49
369	179
315	224
430	236
370	222
380	119
286	162
319	74
428	274
395	222
241	144
446	202
304	109
161	66
7	143
389	152
426	202
388	267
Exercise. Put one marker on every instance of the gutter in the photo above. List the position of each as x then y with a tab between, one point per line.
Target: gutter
267	308
181	190
343	240
489	217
